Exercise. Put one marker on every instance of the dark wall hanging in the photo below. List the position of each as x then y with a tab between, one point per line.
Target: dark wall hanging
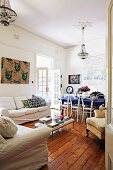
74	79
14	71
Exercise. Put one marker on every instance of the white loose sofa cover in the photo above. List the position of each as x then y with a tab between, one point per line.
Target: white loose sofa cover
13	107
27	150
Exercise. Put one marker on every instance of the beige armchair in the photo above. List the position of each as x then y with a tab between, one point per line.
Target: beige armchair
96	125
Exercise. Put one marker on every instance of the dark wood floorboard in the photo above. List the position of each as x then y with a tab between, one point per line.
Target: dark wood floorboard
70	149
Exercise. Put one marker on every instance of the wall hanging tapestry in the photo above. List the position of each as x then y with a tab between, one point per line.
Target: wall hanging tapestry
14	71
74	79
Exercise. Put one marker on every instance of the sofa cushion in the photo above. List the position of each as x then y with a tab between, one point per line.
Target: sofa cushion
16	113
40	100
31	110
18	101
32	103
25	103
7	127
7	102
98	123
40	109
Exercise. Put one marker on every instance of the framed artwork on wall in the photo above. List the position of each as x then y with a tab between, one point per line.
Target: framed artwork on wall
14	71
74	79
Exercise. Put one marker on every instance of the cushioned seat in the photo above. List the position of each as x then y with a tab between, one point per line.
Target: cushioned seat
16	113
98	123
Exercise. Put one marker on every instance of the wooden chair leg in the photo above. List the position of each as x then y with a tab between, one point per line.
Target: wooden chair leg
87	131
82	115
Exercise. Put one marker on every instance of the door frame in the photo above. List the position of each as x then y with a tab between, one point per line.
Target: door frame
109	121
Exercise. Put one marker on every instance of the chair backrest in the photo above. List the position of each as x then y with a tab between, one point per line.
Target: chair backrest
87	104
88	108
100	95
97	95
76	105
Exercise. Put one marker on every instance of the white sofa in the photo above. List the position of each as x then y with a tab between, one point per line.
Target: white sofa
13	107
26	150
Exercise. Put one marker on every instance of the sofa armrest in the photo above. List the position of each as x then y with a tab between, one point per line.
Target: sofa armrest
4	112
21	144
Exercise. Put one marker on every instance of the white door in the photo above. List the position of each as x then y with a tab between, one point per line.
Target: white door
109	120
54	86
42	81
48	84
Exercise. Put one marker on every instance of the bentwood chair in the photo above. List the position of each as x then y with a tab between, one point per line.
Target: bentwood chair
87	108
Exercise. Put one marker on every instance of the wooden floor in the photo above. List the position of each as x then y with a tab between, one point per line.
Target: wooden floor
70	149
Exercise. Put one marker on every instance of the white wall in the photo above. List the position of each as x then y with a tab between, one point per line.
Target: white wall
75	65
24	46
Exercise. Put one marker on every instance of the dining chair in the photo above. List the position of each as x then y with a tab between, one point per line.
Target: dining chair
87	108
65	107
76	108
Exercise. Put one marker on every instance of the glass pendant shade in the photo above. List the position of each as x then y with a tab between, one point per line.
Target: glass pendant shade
83	54
7	15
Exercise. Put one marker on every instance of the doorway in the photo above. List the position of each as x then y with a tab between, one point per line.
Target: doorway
48	79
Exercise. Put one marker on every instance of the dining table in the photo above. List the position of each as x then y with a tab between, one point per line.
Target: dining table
87	101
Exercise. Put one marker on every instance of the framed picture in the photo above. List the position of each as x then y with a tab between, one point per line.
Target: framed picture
74	79
14	71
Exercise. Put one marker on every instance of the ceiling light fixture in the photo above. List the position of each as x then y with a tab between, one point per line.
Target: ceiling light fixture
83	54
7	15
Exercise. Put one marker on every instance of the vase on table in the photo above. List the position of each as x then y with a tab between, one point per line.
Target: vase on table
85	94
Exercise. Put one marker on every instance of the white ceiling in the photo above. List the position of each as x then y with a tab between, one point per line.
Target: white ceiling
54	19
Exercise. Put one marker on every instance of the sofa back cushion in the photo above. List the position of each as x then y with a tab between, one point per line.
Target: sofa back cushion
39	100
7	127
25	103
18	101
7	102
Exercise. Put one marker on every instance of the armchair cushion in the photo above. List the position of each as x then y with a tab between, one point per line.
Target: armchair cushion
98	123
7	127
99	113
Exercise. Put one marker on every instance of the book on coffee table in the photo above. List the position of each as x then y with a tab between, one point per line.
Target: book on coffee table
53	124
45	119
37	125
